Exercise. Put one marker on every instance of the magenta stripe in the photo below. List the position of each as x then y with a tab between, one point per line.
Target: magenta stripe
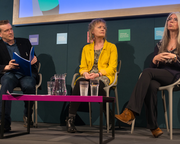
54	98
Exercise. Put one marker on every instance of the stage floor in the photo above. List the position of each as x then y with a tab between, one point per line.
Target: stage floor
55	134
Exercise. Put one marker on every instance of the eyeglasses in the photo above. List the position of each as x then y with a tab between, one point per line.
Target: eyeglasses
174	19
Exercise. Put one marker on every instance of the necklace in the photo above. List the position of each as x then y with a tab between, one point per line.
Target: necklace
172	47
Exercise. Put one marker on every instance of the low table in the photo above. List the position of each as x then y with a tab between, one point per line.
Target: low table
68	98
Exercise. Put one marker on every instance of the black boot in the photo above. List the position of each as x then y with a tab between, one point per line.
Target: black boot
70	125
26	122
7	127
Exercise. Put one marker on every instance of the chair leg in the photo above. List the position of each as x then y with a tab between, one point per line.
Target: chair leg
132	126
35	111
107	110
170	112
34	114
90	115
165	110
36	107
107	116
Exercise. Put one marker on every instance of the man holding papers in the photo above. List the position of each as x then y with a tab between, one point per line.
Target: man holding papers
9	74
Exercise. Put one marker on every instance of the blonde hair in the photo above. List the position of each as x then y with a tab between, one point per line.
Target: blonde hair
92	25
3	22
166	36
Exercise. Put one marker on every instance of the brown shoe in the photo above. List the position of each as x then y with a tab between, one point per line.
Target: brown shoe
127	116
157	132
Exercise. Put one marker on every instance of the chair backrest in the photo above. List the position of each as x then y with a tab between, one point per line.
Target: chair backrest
115	82
39	66
73	80
40	77
119	67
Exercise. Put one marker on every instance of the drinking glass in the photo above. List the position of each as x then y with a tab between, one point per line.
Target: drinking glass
84	85
50	86
94	84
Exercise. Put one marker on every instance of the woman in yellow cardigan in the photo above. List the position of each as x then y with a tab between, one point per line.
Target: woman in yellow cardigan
98	61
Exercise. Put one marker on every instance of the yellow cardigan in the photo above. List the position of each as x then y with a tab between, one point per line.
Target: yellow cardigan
107	62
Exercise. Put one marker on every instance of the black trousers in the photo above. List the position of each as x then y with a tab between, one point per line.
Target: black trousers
145	92
73	106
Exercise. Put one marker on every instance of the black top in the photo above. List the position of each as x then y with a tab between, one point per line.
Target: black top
171	66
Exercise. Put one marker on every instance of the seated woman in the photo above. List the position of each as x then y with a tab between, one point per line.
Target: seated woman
98	61
165	69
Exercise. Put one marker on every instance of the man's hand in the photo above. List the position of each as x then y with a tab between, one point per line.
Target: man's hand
12	65
34	60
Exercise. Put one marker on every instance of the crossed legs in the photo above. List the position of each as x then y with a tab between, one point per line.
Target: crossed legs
145	92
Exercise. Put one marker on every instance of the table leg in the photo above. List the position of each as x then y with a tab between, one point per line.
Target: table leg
2	119
28	127
113	119
101	123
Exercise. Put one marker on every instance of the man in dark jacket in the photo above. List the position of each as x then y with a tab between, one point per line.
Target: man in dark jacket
10	78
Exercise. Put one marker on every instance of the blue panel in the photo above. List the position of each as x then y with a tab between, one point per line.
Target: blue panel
25	8
74	6
71	6
158	33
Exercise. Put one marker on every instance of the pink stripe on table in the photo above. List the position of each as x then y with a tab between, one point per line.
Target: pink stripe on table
68	98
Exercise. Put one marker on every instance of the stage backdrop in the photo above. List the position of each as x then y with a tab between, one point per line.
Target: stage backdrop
135	54
42	11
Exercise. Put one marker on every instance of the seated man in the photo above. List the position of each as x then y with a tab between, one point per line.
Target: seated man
9	78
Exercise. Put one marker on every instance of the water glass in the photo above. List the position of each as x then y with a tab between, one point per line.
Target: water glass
84	85
94	84
50	86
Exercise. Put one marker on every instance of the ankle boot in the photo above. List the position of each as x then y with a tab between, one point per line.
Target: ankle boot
127	116
70	125
157	132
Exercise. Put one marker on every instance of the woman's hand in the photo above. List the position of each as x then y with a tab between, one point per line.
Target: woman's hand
91	75
162	57
172	56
